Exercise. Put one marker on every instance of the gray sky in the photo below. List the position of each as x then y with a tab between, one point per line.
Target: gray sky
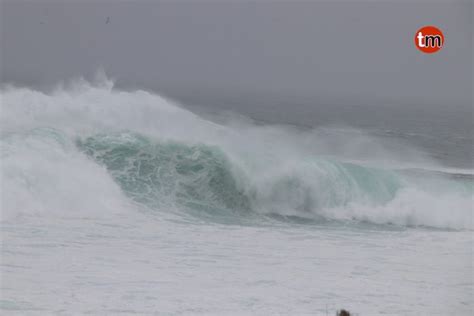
346	52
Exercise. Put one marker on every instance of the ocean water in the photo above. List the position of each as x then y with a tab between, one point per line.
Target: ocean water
124	202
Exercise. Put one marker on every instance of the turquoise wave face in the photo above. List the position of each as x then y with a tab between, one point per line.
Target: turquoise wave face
197	177
203	179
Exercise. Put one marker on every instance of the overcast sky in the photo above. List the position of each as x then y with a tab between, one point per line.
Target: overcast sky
357	52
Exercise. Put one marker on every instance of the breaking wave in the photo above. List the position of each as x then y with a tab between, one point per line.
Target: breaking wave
91	150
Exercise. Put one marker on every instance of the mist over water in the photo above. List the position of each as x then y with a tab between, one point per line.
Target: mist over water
88	166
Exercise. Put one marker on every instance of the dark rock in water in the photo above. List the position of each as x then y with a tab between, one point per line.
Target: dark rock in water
343	312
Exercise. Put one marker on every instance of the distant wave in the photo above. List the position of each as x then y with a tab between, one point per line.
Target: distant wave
90	150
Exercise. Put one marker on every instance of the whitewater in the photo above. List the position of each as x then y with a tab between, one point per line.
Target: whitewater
116	201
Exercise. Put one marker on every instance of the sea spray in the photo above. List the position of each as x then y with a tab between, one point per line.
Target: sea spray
142	148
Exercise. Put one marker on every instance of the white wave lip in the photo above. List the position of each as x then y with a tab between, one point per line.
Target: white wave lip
278	169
